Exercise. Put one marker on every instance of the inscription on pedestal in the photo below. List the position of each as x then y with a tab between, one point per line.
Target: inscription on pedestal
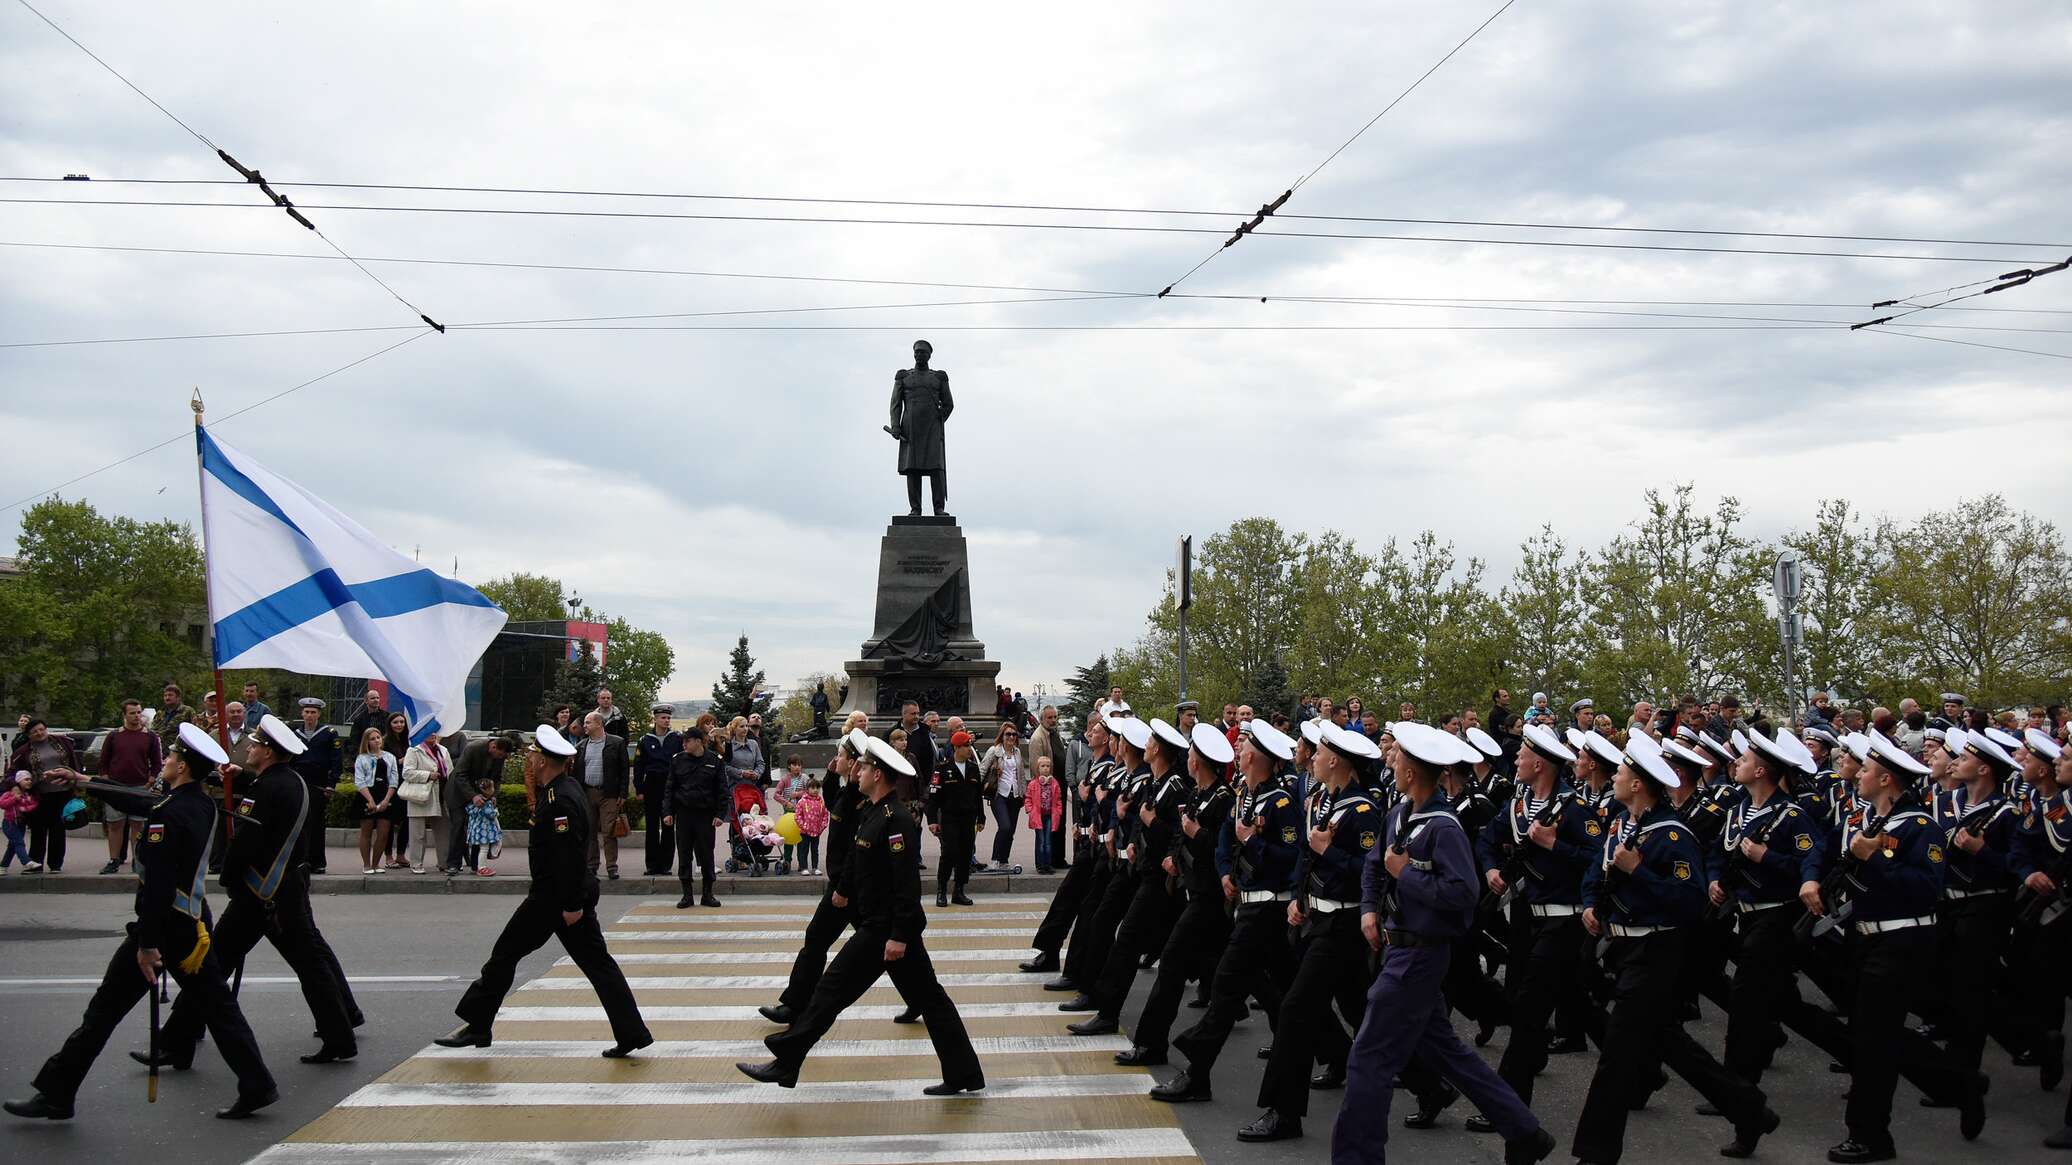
932	565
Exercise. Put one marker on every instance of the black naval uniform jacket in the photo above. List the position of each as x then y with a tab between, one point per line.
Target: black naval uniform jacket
558	857
884	872
275	800
176	829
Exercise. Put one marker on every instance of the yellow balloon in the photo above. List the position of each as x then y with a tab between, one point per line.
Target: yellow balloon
788	829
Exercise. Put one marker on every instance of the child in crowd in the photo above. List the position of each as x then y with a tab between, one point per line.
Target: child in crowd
786	795
811	812
15	806
485	831
1046	806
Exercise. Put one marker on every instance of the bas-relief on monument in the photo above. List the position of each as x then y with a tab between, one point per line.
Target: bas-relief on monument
922	645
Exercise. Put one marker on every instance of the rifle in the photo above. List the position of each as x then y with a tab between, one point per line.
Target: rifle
1738	865
1514	866
2031	907
1601	905
1822	925
158	994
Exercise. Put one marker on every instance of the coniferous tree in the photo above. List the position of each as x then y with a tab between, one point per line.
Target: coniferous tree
740	692
1086	687
575	683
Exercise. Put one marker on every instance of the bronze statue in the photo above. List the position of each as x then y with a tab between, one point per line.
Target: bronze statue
920	404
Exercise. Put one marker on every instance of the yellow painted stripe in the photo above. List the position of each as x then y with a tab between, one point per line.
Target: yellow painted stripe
690	994
637	1070
727	1029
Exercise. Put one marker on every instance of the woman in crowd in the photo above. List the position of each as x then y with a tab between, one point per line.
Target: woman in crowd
425	767
1006	769
52	767
396	743
743	755
374	782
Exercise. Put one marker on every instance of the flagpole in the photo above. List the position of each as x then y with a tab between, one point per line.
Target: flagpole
208	605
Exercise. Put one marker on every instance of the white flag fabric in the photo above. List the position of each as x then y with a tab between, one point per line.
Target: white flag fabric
295	584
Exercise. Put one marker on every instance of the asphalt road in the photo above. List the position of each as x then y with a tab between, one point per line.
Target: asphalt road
410	958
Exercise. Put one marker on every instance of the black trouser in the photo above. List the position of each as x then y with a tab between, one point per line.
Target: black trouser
1096	934
1254	962
1191	950
1006	812
288	924
827	925
1468	989
1882	1046
1542	969
1332	967
1764	990
1144	923
313	829
938	482
1641	1032
857	966
959	843
1970	932
534	922
661	839
1064	905
694	844
47	830
204	993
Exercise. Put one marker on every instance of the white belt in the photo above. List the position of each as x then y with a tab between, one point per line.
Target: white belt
1947	893
1330	905
1250	896
1892	924
1553	910
1752	907
1621	930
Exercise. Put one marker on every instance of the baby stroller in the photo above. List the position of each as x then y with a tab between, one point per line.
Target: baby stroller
753	836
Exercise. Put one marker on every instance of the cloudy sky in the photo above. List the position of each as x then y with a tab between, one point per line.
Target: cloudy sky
726	474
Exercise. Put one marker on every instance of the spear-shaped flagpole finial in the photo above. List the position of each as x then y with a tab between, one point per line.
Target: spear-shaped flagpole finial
195	404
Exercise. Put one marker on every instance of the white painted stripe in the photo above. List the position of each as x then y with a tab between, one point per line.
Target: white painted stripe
937	920
895	1149
785	957
746	1092
778	936
763	982
249	980
745	1011
809	902
754	1049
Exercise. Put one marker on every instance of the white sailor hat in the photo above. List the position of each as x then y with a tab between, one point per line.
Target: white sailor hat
1678	750
858	740
1211	743
1953	697
1167	733
1541	739
1933	733
309	702
1485	742
1990	749
2005	739
551	742
1313	732
1574	737
2039	742
1785	749
1604	749
885	756
201	744
1272	739
1716	746
1858	744
1896	759
1739	740
1350	745
1687	734
1645	756
1133	730
1428	744
280	735
1953	741
1579	705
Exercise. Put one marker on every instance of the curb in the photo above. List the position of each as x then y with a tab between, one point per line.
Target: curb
404	883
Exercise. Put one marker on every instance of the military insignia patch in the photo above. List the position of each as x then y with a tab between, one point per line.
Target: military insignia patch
1682	871
2029	822
1935	853
1288	834
1367	840
154	833
1672	837
1890	842
1593	829
1362	807
1805	842
561	825
861	843
2055	814
244	807
897	844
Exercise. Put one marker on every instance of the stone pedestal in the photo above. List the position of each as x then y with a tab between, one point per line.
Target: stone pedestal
922	645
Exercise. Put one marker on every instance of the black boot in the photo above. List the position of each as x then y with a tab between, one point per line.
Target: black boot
685	902
40	1107
1855	1152
1099	1025
959	897
332	1054
941	899
910	1015
1181	1090
467	1037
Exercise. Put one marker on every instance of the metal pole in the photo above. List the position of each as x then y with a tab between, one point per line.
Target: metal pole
208	637
1183	653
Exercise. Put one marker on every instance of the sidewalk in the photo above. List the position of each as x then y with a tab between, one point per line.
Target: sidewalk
86	853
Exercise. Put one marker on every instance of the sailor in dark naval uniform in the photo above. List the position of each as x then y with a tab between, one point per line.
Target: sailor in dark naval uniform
561	903
920	404
170	936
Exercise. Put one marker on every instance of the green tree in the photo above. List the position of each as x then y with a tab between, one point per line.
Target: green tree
528	598
105	608
575	683
1544	617
1977	599
636	665
1085	688
1446	647
740	692
1272	693
1841	560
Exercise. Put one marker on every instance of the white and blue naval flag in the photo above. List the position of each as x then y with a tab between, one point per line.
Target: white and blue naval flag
295	584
